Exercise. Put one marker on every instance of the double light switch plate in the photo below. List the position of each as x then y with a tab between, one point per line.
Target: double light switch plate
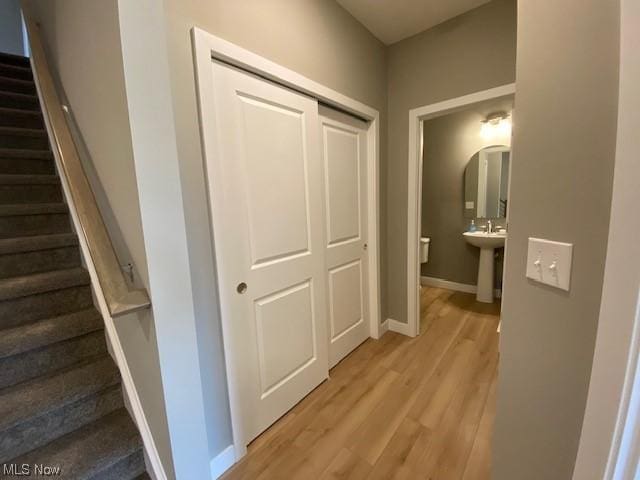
549	262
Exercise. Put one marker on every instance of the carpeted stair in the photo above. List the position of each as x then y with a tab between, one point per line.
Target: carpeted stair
61	400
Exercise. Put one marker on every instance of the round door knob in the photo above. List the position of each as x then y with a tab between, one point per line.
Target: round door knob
241	288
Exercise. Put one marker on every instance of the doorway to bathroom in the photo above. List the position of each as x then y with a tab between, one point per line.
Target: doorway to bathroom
459	156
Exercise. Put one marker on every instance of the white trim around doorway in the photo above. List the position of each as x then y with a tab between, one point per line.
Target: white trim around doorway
414	206
207	47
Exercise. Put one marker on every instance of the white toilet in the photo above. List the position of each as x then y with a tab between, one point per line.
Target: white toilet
424	249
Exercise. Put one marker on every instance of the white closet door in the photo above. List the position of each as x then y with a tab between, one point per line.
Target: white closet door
268	227
344	160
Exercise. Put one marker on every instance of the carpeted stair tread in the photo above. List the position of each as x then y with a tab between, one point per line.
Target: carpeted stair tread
17	165
45	332
23	101
23	96
16	85
26	153
19	111
41	395
13	59
32	209
29	189
24	137
33	218
9	179
33	308
39	431
38	363
36	243
23	132
20	256
21	118
15	71
126	468
91	450
15	287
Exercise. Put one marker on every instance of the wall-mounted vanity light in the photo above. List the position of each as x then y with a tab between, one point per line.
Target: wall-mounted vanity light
497	125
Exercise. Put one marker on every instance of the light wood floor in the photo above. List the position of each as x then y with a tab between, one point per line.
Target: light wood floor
396	408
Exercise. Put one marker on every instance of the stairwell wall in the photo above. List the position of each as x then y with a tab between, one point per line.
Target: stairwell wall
82	40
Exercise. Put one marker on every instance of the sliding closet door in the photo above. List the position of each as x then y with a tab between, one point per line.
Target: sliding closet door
344	156
268	226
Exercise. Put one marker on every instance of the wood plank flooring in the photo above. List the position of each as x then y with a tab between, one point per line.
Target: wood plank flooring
396	408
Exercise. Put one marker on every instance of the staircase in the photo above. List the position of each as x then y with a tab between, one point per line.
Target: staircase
61	402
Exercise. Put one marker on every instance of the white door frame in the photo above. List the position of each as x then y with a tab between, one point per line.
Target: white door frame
207	47
414	203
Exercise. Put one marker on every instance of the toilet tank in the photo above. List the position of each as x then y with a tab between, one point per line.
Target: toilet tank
424	249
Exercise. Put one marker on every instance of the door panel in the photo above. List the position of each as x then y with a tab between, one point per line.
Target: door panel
342	174
287	318
269	235
344	160
276	179
345	285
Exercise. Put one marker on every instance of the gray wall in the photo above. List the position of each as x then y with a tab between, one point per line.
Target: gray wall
619	306
321	41
82	41
449	143
11	27
561	180
469	53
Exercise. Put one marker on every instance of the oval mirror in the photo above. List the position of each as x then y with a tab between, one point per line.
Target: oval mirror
486	180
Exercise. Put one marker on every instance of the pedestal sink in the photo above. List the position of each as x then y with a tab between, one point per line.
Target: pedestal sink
487	243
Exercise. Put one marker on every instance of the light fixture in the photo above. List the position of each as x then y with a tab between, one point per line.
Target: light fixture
497	125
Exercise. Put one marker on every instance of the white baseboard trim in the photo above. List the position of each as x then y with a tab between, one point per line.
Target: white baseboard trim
398	327
222	462
384	328
448	284
458	287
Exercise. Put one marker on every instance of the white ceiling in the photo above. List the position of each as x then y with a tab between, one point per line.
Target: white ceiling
394	20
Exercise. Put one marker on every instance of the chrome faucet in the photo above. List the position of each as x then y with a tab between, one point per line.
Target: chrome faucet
489	226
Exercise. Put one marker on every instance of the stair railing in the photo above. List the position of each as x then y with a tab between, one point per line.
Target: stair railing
120	298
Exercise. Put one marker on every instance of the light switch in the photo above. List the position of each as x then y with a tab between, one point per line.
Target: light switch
469	205
549	262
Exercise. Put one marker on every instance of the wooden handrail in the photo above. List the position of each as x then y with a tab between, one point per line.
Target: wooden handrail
119	297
